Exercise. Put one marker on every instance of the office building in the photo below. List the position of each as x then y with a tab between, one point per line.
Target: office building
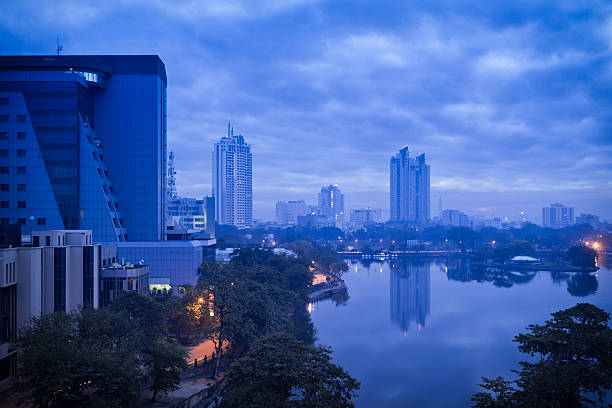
331	204
557	216
232	180
287	212
455	218
590	219
362	217
192	213
174	263
83	144
116	279
409	196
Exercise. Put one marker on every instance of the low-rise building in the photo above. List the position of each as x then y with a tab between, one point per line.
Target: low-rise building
117	279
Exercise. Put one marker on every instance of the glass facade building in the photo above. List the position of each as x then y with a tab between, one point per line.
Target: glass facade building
83	145
409	195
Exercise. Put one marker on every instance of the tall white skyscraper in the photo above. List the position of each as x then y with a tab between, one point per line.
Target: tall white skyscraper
409	188
232	180
331	204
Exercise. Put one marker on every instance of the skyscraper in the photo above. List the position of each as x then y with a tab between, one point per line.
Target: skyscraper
557	216
409	188
331	204
83	144
232	179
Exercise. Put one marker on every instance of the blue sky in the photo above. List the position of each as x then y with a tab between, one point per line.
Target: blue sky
511	101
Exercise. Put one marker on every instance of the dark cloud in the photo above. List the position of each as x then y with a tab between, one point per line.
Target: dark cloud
510	102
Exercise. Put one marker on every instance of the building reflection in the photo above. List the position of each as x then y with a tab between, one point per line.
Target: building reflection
409	294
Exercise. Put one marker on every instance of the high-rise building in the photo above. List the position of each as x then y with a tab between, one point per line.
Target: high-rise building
83	144
455	218
232	180
409	188
331	204
557	216
287	212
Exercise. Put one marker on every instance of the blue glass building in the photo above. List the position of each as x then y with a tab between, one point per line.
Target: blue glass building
83	144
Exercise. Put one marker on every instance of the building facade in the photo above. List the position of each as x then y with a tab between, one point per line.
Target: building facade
455	218
331	204
83	144
193	213
557	216
287	212
232	180
409	195
117	279
361	217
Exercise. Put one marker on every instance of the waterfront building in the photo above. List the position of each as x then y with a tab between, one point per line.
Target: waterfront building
360	217
175	263
287	212
455	218
83	144
409	193
557	216
232	180
331	204
409	294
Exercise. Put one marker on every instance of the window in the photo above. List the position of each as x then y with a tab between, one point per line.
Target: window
42	221
48	240
4	187
4	221
4	135
21	221
4	101
21	118
4	170
21	170
4	152
21	135
3	118
4	204
21	187
21	204
21	152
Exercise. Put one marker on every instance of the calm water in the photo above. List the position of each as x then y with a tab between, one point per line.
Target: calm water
421	333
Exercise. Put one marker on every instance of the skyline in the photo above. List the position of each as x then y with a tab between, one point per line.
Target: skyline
510	103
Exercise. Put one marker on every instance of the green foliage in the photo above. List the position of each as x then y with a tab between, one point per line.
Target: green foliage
502	394
280	371
98	357
582	256
166	366
575	350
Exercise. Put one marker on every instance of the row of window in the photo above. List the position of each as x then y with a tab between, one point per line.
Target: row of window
23	221
6	153
6	135
5	187
5	118
9	272
6	170
5	204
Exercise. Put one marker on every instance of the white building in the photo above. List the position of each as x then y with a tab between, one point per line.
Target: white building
365	216
232	180
409	195
557	216
287	212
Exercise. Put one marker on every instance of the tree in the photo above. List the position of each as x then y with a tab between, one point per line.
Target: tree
280	371
582	256
166	366
575	349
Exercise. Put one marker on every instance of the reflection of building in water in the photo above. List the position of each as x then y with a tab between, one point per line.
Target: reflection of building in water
409	294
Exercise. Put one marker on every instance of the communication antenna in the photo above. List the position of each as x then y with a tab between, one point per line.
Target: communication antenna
60	47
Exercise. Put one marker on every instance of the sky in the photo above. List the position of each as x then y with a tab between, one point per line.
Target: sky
511	101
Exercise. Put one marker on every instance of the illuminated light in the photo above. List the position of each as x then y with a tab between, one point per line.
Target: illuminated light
446	269
201	300
310	307
596	245
212	313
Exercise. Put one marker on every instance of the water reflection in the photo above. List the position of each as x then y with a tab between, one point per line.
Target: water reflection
409	294
460	269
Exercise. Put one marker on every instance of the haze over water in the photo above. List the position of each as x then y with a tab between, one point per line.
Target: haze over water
421	333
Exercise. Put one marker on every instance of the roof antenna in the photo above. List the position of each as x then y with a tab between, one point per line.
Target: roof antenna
229	120
59	48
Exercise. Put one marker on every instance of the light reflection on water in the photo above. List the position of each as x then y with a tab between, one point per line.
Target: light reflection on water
423	332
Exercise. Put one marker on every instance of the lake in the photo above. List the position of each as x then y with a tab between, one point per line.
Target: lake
422	332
